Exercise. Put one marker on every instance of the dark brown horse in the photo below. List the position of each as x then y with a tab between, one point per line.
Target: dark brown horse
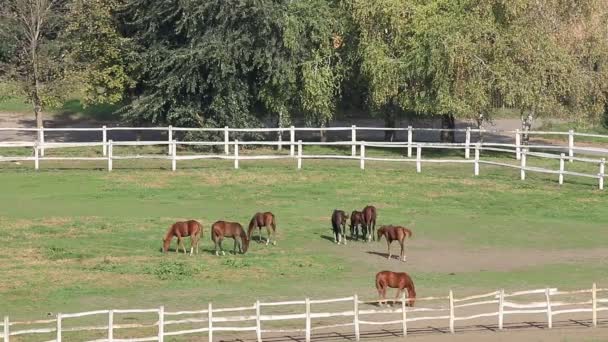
267	220
394	233
338	224
357	223
400	281
223	229
369	216
191	228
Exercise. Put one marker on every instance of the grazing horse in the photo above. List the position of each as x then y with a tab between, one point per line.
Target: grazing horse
191	228
395	233
338	223
260	220
397	280
223	229
357	224
369	217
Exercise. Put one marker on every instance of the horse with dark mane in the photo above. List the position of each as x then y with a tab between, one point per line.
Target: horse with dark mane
397	280
338	224
357	225
191	228
395	233
260	220
369	217
223	229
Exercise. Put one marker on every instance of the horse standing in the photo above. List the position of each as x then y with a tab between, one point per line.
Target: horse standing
223	229
338	223
357	224
369	217
267	220
394	233
191	228
397	280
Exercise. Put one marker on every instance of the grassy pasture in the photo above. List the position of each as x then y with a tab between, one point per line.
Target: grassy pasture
79	239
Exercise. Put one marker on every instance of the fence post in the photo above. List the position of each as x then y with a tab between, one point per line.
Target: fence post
409	141
58	339
549	313
258	323
403	314
6	332
170	137
477	147
517	144
36	157
353	136
467	143
299	154
111	326
561	168
594	305
501	300
451	312
280	146
601	175
523	165
110	153
236	154
210	319
161	324
418	158
362	155
571	144
356	318
41	140
292	140
174	155
308	323
226	140
104	139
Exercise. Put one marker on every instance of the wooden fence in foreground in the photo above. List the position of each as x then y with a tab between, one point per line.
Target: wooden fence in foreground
495	305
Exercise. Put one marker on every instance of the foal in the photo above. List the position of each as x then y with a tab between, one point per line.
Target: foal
394	233
191	228
357	224
369	217
223	229
338	224
397	280
260	220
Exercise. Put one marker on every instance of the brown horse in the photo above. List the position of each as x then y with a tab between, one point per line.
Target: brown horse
369	217
223	229
394	233
338	224
357	223
260	220
191	228
397	280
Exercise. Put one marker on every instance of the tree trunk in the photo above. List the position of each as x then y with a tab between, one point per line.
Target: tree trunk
323	133
480	122
448	121
526	125
389	121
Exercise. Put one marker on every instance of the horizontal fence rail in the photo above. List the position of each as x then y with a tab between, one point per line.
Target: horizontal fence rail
447	310
412	149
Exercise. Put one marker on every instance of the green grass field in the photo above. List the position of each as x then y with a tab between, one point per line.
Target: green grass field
75	240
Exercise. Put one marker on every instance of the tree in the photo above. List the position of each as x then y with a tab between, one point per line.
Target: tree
39	64
101	54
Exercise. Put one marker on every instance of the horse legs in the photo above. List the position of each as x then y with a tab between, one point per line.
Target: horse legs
268	234
388	246
344	233
259	234
217	245
222	248
402	242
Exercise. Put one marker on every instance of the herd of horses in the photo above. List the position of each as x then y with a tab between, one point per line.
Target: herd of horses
362	224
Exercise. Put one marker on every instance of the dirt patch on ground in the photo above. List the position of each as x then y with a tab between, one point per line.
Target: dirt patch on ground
437	256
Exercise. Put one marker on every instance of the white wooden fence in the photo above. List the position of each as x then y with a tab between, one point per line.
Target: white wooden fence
450	310
517	149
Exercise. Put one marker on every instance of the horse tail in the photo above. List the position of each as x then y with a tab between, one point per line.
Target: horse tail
273	223
408	232
411	293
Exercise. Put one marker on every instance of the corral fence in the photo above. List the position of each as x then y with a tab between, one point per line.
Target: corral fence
212	321
232	148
